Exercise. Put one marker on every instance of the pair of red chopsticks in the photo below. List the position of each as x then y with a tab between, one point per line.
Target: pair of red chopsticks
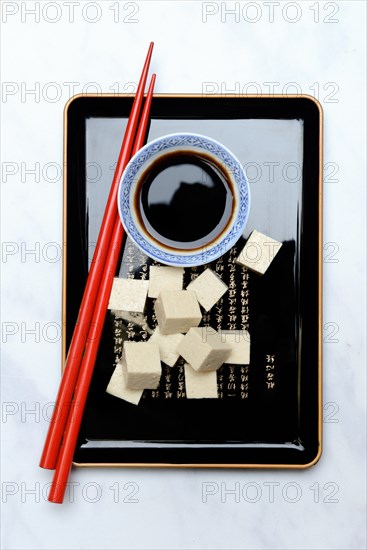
63	432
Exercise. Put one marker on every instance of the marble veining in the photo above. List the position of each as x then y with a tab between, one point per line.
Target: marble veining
199	47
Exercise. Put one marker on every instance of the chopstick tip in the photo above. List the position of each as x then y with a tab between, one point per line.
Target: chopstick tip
150	52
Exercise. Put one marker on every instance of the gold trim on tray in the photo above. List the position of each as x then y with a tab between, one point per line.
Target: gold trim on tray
320	281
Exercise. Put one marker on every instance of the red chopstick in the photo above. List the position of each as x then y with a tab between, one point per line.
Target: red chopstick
77	345
66	453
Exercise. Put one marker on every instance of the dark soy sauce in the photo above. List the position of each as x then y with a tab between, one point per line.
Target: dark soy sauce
184	200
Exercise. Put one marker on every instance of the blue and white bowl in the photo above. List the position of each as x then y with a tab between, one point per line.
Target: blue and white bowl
139	164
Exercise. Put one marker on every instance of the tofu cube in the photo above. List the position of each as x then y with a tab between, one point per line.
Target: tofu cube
239	341
167	344
258	252
164	278
200	385
209	288
128	294
203	349
117	387
141	365
177	311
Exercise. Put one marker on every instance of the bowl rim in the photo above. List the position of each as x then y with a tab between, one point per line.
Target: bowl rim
184	257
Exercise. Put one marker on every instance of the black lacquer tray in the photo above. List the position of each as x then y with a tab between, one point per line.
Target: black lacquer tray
268	413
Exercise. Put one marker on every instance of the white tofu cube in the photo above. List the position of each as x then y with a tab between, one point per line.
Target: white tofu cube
128	294
203	349
177	311
209	288
239	341
164	278
200	385
117	387
167	344
141	365
258	252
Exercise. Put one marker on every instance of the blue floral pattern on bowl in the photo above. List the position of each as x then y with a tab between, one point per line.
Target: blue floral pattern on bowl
184	258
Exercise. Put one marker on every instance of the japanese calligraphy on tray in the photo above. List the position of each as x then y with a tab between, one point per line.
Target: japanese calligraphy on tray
232	312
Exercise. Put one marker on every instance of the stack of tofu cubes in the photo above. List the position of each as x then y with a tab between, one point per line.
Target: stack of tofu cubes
178	313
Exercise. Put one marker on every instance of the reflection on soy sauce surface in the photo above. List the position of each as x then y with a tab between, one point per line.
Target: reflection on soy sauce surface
184	200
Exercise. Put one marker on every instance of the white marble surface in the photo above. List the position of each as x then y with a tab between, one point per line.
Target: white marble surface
169	511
